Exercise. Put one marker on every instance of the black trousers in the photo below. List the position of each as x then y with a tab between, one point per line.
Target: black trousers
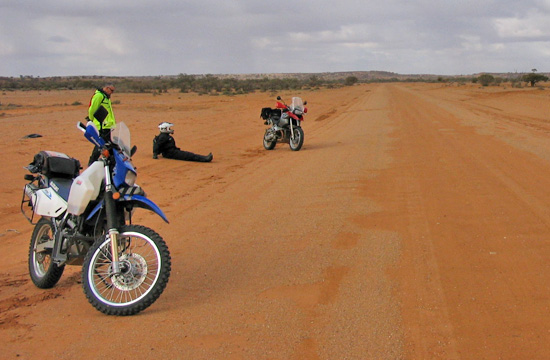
105	134
182	155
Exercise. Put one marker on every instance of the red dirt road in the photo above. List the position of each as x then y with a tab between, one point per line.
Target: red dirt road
413	224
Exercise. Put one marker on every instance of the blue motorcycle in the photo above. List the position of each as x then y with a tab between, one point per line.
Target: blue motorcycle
86	219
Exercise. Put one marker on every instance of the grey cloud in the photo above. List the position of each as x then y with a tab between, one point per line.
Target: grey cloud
247	36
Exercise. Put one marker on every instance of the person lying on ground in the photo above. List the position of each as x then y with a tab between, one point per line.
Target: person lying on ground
165	144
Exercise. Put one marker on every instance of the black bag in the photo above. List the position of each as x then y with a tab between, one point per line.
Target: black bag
53	164
269	112
100	114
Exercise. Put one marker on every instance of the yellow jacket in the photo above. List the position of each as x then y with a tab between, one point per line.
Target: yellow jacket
101	99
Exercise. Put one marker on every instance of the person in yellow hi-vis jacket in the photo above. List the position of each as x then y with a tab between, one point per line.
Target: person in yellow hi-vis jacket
100	112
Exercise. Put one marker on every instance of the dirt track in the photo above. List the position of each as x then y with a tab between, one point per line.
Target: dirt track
413	224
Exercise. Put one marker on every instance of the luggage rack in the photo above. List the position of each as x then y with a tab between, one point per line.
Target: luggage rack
28	192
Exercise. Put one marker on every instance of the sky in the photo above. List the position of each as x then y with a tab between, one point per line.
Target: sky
170	37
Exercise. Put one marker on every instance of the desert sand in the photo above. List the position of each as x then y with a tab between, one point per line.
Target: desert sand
413	224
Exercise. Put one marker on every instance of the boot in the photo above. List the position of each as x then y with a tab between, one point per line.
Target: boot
204	158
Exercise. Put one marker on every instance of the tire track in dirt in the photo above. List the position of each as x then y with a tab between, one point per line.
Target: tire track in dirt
363	306
471	212
308	281
10	307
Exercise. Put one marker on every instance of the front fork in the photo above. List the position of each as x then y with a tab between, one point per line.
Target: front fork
110	209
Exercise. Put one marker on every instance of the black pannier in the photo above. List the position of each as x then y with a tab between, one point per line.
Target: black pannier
269	112
53	164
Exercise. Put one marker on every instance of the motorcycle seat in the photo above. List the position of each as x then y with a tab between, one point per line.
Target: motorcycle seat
62	186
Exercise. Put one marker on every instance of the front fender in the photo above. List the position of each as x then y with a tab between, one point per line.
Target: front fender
294	116
295	122
145	203
139	201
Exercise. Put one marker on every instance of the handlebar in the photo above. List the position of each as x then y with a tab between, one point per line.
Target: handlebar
80	126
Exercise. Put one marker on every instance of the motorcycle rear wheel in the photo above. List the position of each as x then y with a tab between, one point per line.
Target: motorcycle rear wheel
297	141
145	267
269	145
43	271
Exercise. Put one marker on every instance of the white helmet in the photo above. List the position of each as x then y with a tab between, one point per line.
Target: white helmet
166	127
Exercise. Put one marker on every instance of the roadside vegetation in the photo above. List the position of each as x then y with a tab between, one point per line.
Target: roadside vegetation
244	84
201	84
531	79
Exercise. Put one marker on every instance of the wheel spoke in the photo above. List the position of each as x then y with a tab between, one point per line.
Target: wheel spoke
139	263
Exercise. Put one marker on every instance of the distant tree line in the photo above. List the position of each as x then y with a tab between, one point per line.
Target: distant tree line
235	85
201	84
531	78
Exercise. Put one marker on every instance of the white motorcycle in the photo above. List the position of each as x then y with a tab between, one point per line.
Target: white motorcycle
86	220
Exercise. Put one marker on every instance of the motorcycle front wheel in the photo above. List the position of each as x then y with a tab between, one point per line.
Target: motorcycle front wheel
297	141
43	271
144	271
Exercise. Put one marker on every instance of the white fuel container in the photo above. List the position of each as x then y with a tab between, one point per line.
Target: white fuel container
85	188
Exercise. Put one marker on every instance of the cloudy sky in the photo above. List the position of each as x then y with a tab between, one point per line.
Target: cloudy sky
170	37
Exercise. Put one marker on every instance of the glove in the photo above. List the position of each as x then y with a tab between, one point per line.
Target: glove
155	156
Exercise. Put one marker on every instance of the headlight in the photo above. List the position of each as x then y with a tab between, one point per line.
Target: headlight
298	112
130	178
